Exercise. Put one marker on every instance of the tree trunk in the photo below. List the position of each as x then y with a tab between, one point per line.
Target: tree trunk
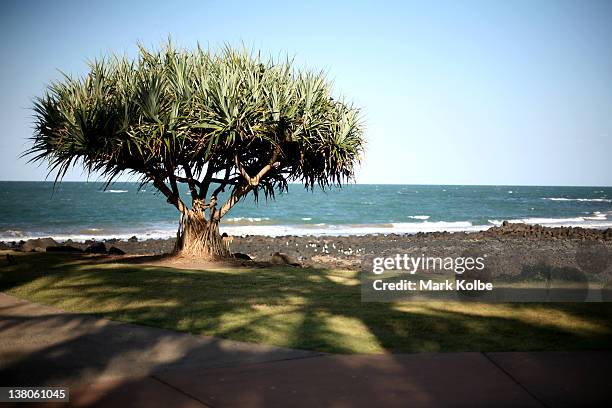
198	237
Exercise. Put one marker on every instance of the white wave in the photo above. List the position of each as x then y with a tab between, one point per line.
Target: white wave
12	234
547	221
115	191
597	216
247	219
169	231
597	221
419	217
306	218
161	230
359	229
594	200
80	237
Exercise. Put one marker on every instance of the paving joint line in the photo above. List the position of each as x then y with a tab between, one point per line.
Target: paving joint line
514	379
193	397
241	363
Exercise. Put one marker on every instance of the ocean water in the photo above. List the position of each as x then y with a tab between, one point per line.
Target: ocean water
80	211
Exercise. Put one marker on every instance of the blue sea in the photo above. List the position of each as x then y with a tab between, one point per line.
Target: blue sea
84	210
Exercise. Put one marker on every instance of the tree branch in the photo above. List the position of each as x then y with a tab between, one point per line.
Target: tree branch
212	180
204	186
272	163
171	198
252	182
237	194
242	170
190	182
222	183
175	194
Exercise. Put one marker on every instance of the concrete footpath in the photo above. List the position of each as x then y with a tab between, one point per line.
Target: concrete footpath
107	363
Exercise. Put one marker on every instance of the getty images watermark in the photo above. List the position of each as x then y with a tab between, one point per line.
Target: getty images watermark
490	274
410	265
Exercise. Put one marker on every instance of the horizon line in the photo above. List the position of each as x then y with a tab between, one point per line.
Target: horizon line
345	184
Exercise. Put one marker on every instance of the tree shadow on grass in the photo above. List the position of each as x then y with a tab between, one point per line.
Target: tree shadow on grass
313	309
308	309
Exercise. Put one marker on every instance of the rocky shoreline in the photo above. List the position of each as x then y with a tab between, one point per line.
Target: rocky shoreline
510	240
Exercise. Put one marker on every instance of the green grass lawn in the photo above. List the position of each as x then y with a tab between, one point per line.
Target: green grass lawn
315	309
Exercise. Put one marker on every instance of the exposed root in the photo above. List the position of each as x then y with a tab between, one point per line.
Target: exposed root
199	238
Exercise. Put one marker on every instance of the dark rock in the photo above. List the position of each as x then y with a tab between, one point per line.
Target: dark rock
115	251
96	248
64	249
538	231
239	255
37	245
283	259
133	239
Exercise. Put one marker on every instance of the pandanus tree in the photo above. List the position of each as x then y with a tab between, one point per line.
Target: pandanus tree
227	122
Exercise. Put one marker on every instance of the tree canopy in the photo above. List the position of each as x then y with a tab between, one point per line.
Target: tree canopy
229	119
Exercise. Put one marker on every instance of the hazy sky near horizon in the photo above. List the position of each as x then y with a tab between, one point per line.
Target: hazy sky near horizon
469	92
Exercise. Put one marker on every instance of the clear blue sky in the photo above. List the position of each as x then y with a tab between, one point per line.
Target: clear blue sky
453	92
